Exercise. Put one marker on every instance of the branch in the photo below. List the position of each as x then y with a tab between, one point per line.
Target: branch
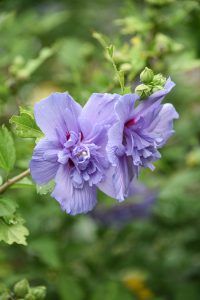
13	180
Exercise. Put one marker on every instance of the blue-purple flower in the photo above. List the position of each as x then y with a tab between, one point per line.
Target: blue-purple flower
139	130
104	144
73	151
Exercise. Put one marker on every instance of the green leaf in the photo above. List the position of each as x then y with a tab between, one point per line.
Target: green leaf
110	50
24	183
7	207
15	232
70	286
45	189
127	90
25	125
7	149
43	245
121	79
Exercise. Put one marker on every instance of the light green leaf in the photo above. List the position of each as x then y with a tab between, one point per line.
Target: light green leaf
45	189
127	90
7	149
7	207
110	50
121	79
24	183
25	125
13	233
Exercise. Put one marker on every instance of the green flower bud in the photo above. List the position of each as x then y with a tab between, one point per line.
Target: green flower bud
159	79
147	75
5	296
39	292
30	296
21	288
143	90
157	88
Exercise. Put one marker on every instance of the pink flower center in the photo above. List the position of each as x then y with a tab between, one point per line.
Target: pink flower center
68	135
130	123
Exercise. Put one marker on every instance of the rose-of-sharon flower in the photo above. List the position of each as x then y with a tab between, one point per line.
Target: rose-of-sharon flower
136	135
73	151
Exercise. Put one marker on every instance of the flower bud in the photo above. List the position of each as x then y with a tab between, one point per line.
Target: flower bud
157	88
143	90
21	288
146	76
5	296
30	296
159	79
39	292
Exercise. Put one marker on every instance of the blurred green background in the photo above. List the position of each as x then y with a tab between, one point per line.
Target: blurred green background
147	248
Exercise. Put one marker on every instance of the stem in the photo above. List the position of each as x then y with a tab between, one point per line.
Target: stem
13	180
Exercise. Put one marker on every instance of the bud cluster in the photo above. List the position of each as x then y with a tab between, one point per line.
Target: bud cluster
150	83
23	291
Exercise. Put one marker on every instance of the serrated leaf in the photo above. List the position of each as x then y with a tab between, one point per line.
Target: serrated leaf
45	189
7	149
25	125
7	207
13	233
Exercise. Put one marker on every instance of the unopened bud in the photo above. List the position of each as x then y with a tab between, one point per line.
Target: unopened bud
39	292
147	75
157	88
5	296
21	288
159	80
143	90
30	296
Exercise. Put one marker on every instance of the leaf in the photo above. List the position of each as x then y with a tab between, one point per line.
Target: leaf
45	189
24	183
7	207
69	286
7	149
25	125
121	79
14	232
110	50
43	245
127	90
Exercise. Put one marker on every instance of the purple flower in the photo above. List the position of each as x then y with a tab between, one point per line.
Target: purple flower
73	152
137	134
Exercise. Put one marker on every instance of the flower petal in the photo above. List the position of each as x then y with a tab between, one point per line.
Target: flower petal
73	200
99	108
162	125
117	180
124	108
115	146
52	114
44	163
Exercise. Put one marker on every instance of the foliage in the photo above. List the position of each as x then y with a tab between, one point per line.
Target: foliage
57	46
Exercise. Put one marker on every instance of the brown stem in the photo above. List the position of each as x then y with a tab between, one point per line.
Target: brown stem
13	180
